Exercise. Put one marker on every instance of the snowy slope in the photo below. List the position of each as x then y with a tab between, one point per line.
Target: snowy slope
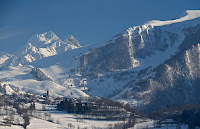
65	70
21	78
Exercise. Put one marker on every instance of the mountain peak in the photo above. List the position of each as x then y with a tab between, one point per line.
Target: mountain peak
70	37
49	35
43	45
71	40
41	40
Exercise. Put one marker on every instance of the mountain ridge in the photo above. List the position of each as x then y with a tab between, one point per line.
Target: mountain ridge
41	46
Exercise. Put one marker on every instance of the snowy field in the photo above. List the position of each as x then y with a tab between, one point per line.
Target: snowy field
62	120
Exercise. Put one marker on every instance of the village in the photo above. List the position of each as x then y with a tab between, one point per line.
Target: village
41	106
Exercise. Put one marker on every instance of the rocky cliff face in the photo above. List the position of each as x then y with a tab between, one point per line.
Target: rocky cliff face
40	75
113	56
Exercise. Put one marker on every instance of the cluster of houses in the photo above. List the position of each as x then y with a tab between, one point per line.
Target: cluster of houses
73	105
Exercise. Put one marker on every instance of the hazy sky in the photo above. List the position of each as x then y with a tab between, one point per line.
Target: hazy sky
89	21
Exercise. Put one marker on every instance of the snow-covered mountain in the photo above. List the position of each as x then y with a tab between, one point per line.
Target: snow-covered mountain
14	71
177	81
41	46
72	41
140	46
4	56
121	67
155	63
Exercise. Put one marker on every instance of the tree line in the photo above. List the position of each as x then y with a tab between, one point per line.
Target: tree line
99	108
187	114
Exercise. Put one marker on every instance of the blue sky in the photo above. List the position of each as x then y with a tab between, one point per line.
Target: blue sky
89	21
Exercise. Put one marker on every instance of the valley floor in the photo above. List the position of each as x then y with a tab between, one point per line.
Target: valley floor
63	121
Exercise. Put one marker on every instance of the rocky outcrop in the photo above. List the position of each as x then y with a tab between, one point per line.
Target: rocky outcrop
40	75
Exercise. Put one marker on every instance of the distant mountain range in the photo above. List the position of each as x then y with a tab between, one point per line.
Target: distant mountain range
149	66
42	45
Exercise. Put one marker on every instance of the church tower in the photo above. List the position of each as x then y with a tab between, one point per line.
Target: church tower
47	101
